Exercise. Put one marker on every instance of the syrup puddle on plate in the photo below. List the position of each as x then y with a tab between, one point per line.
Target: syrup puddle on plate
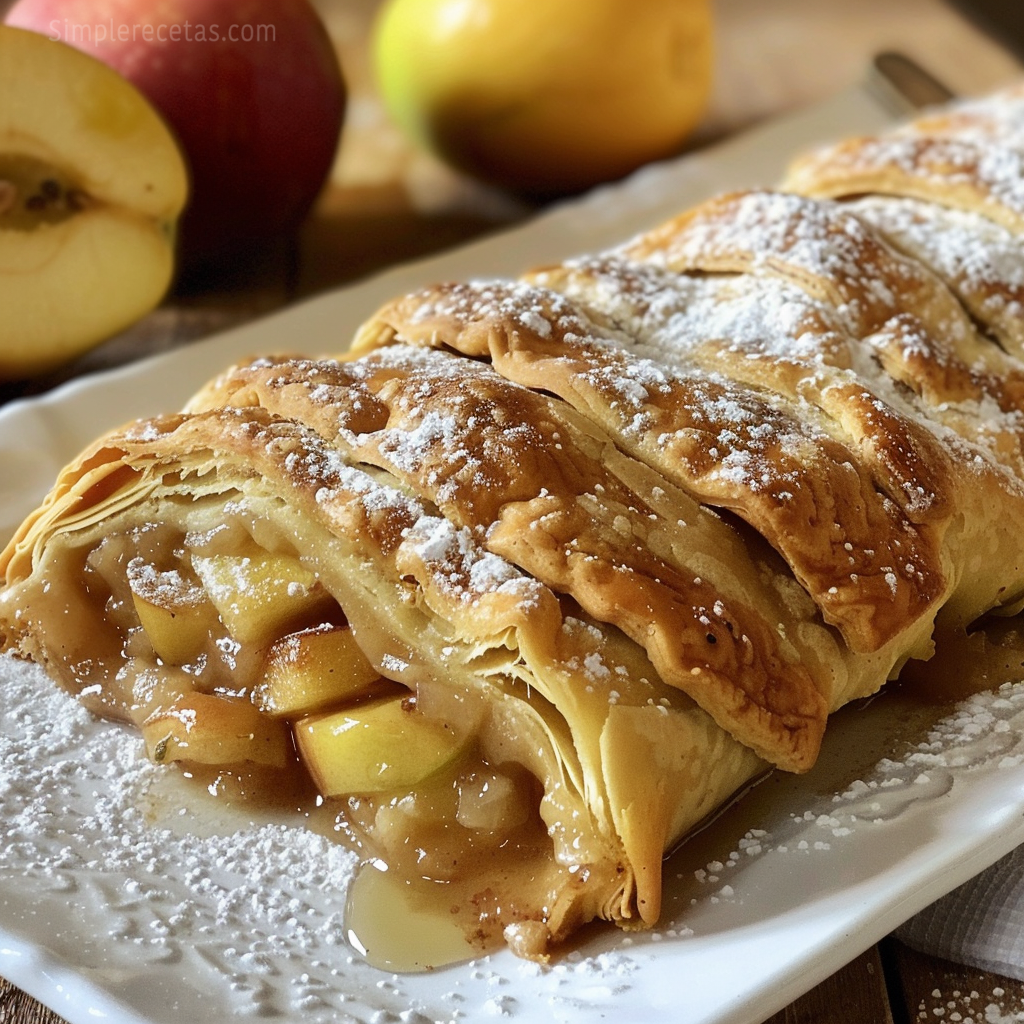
394	926
395	930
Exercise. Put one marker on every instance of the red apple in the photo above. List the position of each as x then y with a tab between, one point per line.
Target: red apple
252	89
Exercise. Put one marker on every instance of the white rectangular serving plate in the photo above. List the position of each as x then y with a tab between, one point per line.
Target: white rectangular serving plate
108	918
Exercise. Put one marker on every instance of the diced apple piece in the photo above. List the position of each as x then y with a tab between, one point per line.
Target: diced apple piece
312	669
376	747
176	614
261	596
207	729
92	183
491	801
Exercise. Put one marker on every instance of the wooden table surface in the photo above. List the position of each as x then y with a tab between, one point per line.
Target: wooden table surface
387	203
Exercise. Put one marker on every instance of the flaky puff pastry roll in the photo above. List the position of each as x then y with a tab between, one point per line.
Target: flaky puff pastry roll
619	764
545	571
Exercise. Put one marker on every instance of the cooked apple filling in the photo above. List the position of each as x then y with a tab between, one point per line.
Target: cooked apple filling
230	652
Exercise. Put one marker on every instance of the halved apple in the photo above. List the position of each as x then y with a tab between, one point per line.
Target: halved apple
376	747
208	729
312	669
92	184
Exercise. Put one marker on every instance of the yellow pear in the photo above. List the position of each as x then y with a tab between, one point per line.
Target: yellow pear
546	98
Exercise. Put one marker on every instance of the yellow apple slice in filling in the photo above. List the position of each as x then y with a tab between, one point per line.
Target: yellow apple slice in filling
206	729
312	669
176	614
259	597
376	747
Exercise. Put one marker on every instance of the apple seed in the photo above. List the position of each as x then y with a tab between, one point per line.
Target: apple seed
8	196
32	193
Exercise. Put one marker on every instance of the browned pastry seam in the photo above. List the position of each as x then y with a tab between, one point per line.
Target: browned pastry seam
960	173
830	252
506	463
812	361
980	261
789	480
826	250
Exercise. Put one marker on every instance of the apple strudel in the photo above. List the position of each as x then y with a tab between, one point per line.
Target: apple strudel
543	571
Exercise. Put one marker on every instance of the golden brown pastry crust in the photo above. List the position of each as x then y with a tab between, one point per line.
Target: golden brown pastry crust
566	697
815	497
520	471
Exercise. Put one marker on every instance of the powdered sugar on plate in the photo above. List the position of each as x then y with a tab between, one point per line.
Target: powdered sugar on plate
230	910
890	770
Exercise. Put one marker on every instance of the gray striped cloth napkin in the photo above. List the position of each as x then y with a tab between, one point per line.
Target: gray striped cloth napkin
980	924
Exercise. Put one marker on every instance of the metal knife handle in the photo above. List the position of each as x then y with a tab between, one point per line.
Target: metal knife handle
904	85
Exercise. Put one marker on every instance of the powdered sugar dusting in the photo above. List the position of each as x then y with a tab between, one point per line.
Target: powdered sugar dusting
966	1005
982	261
234	907
167	586
462	567
524	306
992	172
667	316
819	245
998	117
